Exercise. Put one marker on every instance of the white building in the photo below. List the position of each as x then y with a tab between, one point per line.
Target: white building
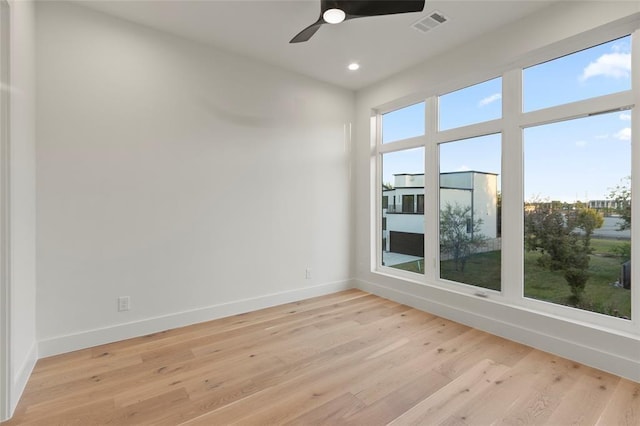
403	207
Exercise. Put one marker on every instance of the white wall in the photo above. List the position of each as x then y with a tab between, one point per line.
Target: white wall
554	28
402	222
411	181
461	197
164	173
22	199
456	180
485	203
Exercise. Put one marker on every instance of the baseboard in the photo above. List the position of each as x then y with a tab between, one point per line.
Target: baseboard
555	339
20	379
86	339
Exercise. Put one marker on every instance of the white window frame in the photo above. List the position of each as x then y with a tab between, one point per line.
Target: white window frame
5	275
511	126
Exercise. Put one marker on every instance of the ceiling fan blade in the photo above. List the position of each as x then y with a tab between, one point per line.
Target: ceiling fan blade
306	34
359	8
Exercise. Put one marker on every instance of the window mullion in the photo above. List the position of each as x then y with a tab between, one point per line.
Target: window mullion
635	177
582	108
471	131
512	187
431	211
375	124
401	145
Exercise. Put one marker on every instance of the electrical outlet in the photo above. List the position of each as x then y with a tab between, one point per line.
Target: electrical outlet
308	274
124	303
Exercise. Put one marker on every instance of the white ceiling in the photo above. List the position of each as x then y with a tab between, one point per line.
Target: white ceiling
262	29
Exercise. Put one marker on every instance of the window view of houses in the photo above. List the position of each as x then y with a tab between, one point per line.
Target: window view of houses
472	198
577	187
470	210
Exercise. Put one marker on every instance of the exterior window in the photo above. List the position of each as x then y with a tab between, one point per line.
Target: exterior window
403	123
402	235
469	186
577	213
407	204
592	72
474	104
565	144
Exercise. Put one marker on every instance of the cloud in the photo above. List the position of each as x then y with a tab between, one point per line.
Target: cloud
490	99
624	47
603	136
625	116
463	168
616	65
581	144
624	134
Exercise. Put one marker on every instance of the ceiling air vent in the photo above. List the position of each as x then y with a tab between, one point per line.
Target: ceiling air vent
429	22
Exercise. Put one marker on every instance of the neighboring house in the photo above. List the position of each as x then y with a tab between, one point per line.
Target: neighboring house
606	206
603	204
403	207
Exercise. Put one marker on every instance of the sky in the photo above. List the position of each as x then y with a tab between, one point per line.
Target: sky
572	160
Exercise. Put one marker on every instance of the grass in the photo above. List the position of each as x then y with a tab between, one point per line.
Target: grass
599	294
416	266
604	247
483	270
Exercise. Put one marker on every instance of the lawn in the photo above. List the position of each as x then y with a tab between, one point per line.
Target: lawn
605	247
599	295
483	270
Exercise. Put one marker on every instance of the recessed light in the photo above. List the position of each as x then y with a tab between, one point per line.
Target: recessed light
353	66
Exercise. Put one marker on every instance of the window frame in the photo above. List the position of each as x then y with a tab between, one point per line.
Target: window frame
511	125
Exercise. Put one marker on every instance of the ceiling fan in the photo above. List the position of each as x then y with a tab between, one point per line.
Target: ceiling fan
336	11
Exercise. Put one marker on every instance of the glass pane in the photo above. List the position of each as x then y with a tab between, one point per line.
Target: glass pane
470	211
577	213
403	123
403	216
592	72
474	104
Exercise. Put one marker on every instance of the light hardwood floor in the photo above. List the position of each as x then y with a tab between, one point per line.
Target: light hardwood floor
345	358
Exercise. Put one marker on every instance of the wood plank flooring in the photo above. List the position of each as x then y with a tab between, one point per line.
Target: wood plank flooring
346	358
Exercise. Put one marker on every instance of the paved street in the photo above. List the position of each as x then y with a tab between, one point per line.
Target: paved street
610	229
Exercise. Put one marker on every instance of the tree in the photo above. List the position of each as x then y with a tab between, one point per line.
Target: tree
545	232
621	195
460	235
553	233
588	220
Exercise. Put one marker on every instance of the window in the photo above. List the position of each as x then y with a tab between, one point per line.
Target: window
592	72
475	104
402	234
403	123
407	204
575	247
561	162
469	186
